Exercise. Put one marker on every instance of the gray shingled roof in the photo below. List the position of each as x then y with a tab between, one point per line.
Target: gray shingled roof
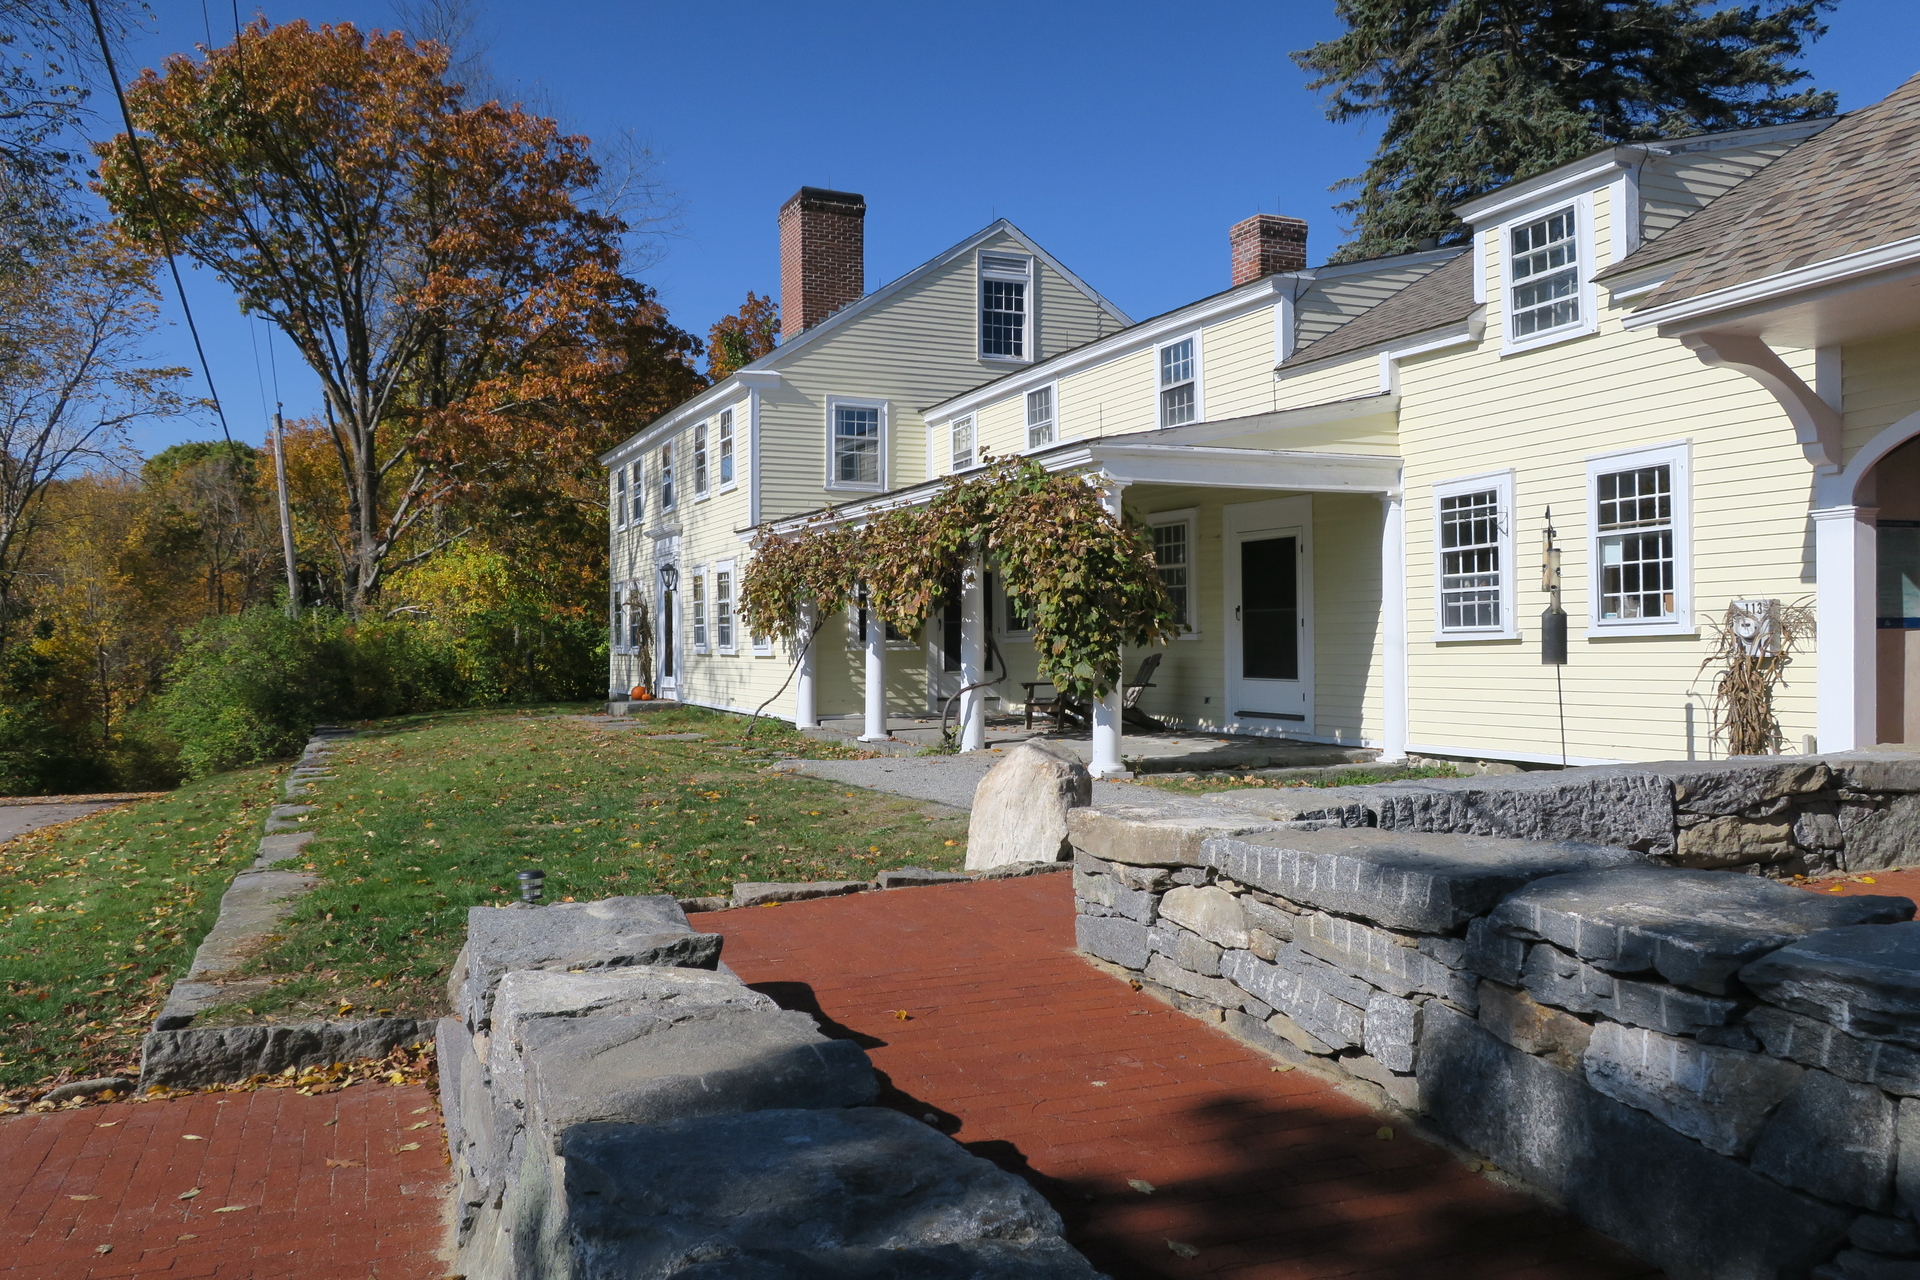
1852	187
1442	297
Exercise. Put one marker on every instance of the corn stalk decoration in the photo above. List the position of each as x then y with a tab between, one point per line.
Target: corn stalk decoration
1754	643
1088	579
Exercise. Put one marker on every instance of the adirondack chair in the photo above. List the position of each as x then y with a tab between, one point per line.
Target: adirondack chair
1070	712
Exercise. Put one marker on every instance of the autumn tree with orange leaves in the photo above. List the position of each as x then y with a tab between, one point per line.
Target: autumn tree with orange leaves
440	265
736	341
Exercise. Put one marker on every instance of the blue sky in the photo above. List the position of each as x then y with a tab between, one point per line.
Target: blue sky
1126	137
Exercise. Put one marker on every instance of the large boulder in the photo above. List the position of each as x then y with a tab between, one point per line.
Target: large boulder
1020	807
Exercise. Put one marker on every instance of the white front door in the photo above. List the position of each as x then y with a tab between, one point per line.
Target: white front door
1269	623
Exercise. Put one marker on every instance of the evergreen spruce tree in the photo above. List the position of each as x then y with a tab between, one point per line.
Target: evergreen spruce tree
1480	93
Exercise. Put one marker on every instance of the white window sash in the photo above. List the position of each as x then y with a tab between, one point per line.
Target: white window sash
1586	265
696	588
725	624
668	498
700	461
879	443
1189	519
1190	384
1024	336
961	445
1677	458
1044	430
1506	623
727	467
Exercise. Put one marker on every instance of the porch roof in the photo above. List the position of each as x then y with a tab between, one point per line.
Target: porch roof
1138	459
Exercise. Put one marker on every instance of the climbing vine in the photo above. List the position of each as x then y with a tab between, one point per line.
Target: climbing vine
1087	578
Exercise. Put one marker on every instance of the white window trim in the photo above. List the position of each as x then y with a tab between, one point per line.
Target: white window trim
834	403
1189	516
1000	614
1509	627
669	493
733	424
1679	456
762	645
637	496
733	603
1030	338
617	499
946	466
1053	392
1199	392
699	620
1589	322
700	459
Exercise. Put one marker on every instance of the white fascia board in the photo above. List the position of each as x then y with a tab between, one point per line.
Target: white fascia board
1581	175
1848	269
1311	415
1297	470
1249	297
701	406
1793	131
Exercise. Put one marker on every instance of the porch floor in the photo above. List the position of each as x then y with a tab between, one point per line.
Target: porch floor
1171	752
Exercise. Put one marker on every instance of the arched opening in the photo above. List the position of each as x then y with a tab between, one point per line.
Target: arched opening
1893	485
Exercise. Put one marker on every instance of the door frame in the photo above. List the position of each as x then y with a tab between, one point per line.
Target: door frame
1238	519
667	647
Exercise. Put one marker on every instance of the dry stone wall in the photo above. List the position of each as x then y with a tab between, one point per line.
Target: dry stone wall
619	1105
1559	972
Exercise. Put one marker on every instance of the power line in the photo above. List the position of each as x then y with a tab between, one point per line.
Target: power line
153	208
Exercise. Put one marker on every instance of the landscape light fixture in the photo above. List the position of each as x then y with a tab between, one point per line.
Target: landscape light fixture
532	885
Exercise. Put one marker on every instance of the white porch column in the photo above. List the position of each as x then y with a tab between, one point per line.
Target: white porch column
806	711
876	638
1845	544
1393	628
973	659
1106	711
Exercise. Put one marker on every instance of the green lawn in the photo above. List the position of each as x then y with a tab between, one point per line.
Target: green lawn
97	917
428	815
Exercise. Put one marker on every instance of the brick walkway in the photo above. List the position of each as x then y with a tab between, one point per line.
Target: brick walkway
327	1195
1036	1060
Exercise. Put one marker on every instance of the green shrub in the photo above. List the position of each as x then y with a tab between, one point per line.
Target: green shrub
251	686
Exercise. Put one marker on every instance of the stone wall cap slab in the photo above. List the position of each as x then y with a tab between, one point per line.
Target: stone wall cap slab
1429	882
1152	835
1864	979
1694	928
758	893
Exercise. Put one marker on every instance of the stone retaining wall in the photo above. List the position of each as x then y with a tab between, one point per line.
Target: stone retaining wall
1718	1070
619	1105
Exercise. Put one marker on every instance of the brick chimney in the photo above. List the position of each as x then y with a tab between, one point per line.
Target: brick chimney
1266	243
823	264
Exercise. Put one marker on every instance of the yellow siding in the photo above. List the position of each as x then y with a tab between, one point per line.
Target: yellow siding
1881	385
1237	366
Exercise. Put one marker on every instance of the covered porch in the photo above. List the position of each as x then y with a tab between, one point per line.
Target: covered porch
1286	571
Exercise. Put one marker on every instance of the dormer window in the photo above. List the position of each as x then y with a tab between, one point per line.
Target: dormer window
960	444
1543	269
1004	281
1179	398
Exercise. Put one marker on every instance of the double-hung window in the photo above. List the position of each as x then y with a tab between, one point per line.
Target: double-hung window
1004	298
700	461
1173	533
666	476
1473	543
1040	417
1640	534
636	615
726	448
960	454
858	428
723	607
697	605
637	495
1179	396
619	497
1543	273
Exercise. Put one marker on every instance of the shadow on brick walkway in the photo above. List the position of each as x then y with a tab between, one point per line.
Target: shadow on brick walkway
324	1190
1034	1059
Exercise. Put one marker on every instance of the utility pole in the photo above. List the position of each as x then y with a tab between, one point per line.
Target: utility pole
286	513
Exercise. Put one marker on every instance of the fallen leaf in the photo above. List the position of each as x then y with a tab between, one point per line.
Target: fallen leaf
1474	1166
191	1235
417	1111
1868	880
423	1124
106	1124
903	1015
1183	1250
191	1137
232	1208
1099	1084
1284	1066
83	1197
344	1164
188	1195
1383	1133
327	1122
1143	1187
411	1146
1134	983
105	1248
